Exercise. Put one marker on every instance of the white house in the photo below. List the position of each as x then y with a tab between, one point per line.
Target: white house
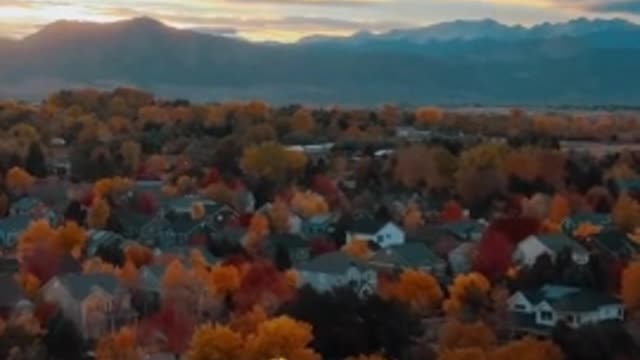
530	248
383	234
337	269
547	306
94	302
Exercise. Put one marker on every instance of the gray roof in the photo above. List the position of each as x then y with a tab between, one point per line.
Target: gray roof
558	242
287	240
570	299
616	243
406	255
337	262
15	223
81	285
367	226
463	229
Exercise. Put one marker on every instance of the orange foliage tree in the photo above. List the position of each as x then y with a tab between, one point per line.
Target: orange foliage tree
626	213
248	322
215	342
38	234
121	345
468	294
428	116
18	180
302	122
139	255
279	215
129	275
309	203
630	286
71	238
281	337
412	218
258	231
98	214
559	210
528	348
358	248
419	290
224	280
459	335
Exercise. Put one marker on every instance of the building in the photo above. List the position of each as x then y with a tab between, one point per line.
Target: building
529	249
11	228
414	256
338	269
380	233
540	310
96	303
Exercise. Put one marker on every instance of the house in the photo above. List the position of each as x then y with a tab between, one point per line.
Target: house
98	238
175	229
318	225
216	214
467	230
96	303
294	246
11	228
528	250
408	256
615	244
338	269
34	208
570	224
131	222
539	310
12	297
380	233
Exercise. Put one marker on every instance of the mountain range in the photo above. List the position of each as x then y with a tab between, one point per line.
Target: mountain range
580	62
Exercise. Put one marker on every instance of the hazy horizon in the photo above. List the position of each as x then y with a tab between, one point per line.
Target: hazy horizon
290	20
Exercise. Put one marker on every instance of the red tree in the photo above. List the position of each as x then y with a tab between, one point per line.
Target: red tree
263	285
147	203
176	326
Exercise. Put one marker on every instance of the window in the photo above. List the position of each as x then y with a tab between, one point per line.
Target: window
546	315
570	318
380	239
520	307
620	312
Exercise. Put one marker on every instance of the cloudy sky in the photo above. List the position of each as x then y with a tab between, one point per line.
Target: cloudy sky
288	20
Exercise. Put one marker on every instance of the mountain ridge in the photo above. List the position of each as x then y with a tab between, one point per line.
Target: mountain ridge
579	62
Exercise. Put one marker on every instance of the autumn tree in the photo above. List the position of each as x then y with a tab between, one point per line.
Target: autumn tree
464	354
452	212
421	291
247	323
416	164
71	239
390	116
358	248
626	213
302	122
412	218
263	285
455	334
308	204
528	348
99	214
559	210
279	214
468	295
129	275
18	180
215	342
39	234
429	116
139	255
481	172
35	162
630	286
281	337
121	345
224	280
258	231
131	153
198	211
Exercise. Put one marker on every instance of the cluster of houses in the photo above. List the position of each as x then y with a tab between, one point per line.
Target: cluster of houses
97	303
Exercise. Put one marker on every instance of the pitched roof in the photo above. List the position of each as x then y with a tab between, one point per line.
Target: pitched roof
367	226
11	293
616	242
569	299
81	285
337	262
406	255
463	229
558	242
15	223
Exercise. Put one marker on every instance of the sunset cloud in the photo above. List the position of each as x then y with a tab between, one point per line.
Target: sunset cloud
289	20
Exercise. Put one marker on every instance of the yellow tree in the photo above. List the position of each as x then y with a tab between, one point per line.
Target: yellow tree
421	291
248	322
18	180
358	248
630	286
481	171
119	346
98	214
268	160
71	238
215	342
131	153
296	160
281	337
626	213
302	122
